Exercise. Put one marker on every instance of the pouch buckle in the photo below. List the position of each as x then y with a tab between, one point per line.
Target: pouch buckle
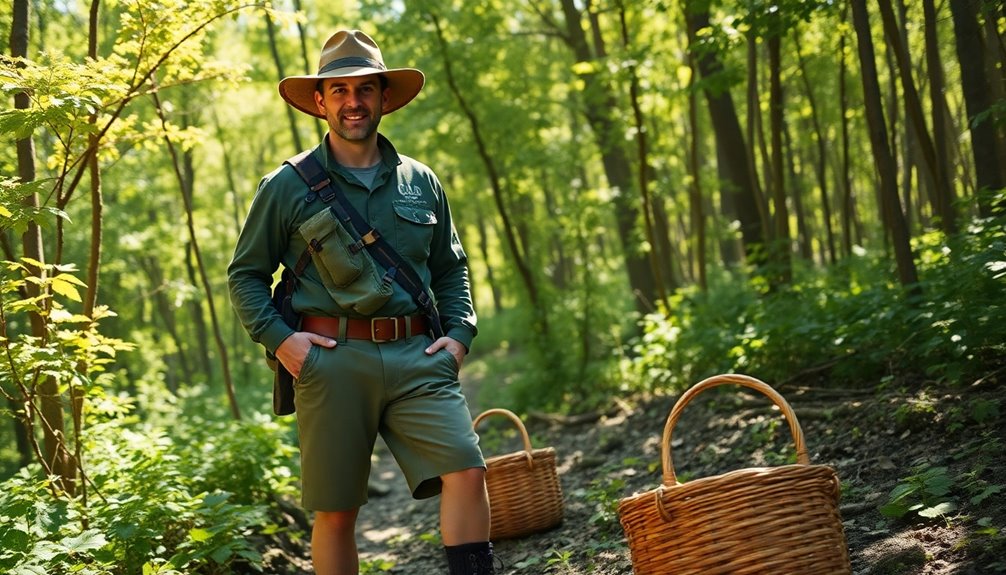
374	329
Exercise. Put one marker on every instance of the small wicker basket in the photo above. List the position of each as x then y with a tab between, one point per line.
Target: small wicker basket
524	492
778	520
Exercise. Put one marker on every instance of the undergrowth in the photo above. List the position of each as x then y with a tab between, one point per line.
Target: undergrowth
852	320
188	499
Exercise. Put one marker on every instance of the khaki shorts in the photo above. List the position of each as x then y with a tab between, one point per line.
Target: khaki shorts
348	394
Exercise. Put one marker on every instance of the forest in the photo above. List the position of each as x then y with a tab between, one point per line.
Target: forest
649	192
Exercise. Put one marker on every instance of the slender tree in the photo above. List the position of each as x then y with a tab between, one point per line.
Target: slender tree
942	196
820	166
731	151
977	91
600	109
882	155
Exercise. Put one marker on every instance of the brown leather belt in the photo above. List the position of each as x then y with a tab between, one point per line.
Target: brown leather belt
376	329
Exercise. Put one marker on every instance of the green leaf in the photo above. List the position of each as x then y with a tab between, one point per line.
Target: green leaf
222	554
29	570
985	494
900	492
199	535
896	510
70	278
65	289
86	541
15	538
940	510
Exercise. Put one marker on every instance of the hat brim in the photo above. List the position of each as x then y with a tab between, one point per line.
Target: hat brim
404	84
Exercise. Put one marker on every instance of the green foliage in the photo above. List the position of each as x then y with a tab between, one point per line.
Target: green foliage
848	317
375	566
14	214
925	493
604	495
188	502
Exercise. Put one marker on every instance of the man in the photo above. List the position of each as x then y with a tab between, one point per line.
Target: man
362	359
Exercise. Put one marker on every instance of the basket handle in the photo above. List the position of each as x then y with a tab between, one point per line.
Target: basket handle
516	421
715	381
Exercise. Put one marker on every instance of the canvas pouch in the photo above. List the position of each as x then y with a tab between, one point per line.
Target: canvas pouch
351	276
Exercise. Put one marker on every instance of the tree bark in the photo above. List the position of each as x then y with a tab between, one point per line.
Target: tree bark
643	168
967	37
820	166
942	195
780	252
599	111
941	121
302	35
57	457
845	175
695	208
731	151
291	115
883	157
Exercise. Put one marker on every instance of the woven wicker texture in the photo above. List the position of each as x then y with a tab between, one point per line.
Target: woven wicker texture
778	520
524	492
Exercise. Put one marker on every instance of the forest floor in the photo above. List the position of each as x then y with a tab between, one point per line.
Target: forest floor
941	447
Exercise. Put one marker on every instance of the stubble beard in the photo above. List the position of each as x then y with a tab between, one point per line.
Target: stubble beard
357	133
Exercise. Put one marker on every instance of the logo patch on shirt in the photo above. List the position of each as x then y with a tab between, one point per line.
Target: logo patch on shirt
410	192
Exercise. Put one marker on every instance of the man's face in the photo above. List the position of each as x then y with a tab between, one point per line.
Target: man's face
352	106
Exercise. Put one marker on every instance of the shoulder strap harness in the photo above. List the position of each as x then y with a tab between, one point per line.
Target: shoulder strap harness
365	236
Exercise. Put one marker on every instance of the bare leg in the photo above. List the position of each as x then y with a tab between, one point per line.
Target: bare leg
333	543
464	507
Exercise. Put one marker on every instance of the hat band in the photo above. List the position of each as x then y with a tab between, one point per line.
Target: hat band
352	61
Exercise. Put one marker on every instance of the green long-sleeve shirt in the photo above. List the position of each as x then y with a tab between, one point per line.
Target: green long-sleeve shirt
407	206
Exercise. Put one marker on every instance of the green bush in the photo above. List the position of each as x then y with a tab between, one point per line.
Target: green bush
851	318
185	502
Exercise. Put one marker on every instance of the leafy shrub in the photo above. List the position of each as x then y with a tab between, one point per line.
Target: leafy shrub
188	502
852	318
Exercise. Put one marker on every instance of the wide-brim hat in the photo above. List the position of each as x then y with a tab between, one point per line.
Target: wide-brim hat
352	53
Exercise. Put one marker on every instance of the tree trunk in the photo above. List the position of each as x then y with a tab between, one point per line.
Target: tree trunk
58	459
804	238
643	168
600	112
780	252
696	211
483	226
845	173
754	135
519	256
995	69
883	157
822	151
731	151
185	175
978	101
302	35
941	121
291	114
913	110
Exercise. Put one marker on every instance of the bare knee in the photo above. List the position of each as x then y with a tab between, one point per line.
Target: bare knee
471	478
336	521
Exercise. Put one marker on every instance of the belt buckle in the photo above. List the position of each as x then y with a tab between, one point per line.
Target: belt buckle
373	329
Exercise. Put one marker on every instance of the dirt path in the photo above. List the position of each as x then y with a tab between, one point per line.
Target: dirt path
942	448
875	441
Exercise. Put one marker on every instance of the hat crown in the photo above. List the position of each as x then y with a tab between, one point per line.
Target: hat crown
350	48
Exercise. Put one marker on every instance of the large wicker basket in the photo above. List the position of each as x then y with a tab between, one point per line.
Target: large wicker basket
778	520
524	492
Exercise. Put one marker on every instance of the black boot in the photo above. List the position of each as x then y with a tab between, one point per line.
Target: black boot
470	559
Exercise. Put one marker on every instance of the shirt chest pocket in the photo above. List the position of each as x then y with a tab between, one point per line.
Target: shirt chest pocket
414	230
